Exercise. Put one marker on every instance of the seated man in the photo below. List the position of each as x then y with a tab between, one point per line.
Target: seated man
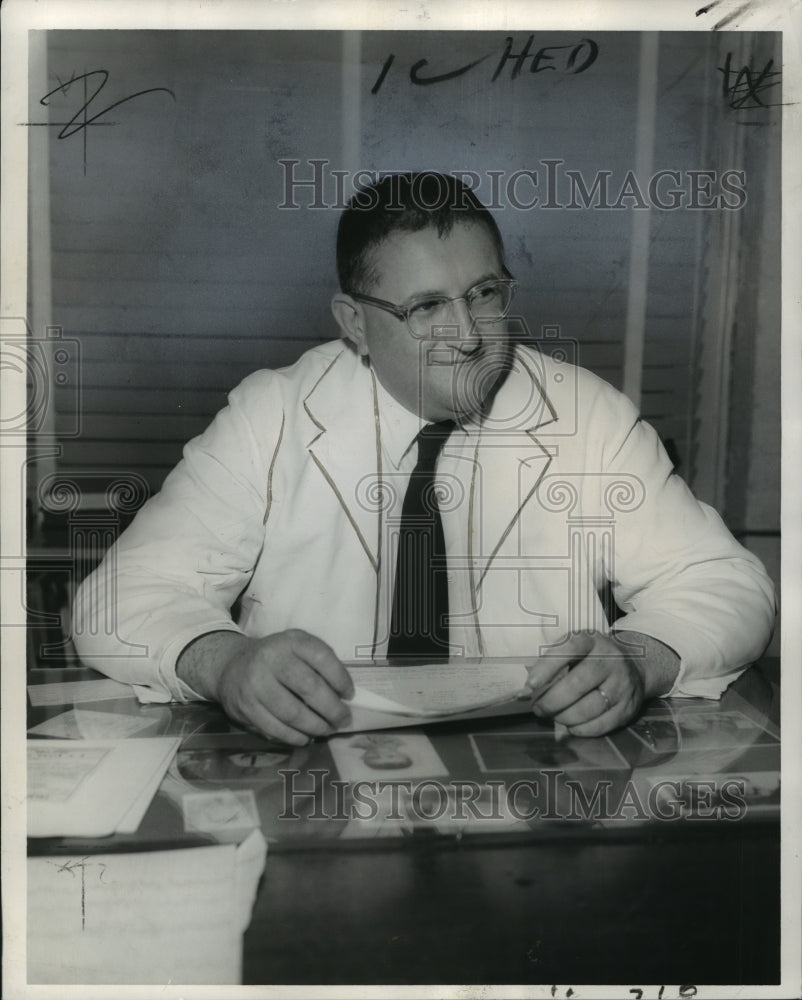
292	504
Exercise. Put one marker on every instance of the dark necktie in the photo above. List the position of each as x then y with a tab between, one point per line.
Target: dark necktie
419	626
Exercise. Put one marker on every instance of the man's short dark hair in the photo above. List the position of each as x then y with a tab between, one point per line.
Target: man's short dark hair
403	203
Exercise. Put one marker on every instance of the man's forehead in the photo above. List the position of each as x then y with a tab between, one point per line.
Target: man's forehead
465	243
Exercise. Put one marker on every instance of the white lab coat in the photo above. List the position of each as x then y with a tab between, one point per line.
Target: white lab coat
285	503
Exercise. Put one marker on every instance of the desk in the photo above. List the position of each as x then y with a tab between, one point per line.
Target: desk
610	900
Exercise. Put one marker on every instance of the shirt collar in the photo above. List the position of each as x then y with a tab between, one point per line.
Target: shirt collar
399	426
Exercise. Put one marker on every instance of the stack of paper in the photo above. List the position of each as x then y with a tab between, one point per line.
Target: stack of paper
151	917
93	788
396	696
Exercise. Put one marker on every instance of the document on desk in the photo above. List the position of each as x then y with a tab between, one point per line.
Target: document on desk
85	724
73	692
150	917
93	788
435	692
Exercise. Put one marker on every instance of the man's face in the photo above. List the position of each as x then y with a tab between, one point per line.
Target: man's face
449	373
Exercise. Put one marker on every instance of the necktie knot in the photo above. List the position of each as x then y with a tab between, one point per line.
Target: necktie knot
430	440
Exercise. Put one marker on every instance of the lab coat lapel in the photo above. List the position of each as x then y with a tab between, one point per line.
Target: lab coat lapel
512	458
344	444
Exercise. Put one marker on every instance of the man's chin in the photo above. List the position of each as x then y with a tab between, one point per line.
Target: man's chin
476	385
461	411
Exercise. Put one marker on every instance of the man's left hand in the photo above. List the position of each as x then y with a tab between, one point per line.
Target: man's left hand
594	683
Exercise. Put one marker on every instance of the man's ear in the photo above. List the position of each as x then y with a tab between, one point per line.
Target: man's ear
351	321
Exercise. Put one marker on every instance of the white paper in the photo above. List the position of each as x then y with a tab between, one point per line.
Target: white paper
135	813
56	775
437	689
150	917
92	788
80	724
72	692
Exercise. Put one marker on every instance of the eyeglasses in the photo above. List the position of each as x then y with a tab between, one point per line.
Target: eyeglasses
489	300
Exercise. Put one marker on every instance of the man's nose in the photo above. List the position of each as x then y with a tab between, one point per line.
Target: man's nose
463	331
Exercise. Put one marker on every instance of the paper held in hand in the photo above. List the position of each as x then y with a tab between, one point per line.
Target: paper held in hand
388	696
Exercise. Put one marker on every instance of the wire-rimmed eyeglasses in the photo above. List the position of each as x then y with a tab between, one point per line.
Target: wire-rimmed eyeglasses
488	300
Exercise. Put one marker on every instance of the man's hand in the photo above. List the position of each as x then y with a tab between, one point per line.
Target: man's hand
594	683
288	686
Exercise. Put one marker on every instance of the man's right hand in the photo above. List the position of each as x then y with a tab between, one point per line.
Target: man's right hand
289	686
